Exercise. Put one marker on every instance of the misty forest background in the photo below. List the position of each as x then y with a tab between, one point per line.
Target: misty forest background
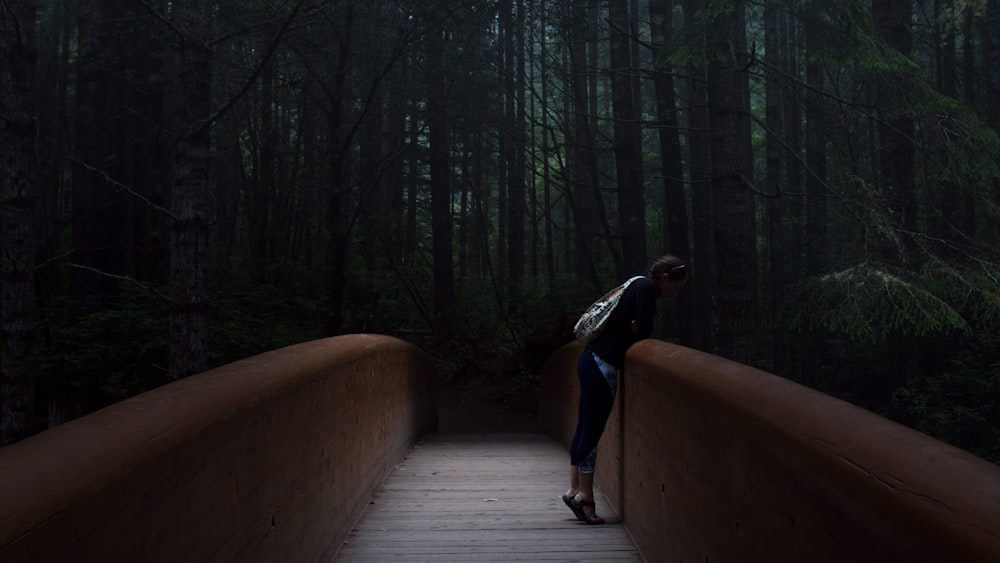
186	183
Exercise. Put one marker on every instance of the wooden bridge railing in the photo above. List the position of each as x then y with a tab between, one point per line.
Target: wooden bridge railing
271	458
274	457
711	460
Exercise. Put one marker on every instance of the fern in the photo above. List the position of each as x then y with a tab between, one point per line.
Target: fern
868	302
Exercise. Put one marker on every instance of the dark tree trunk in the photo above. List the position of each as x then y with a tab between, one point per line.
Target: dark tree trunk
516	190
263	181
339	196
945	197
583	185
703	257
991	64
781	229
969	84
440	170
817	242
98	213
627	143
505	144
18	125
55	133
895	166
675	239
190	95
732	181
413	184
895	149
547	177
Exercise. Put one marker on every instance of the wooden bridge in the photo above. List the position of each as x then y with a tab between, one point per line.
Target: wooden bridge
330	451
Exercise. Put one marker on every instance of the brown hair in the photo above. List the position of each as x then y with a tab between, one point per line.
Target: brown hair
674	267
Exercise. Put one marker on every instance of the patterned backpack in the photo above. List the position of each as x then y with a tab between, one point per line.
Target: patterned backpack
592	321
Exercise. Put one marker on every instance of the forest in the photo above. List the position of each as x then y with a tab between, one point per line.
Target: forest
186	183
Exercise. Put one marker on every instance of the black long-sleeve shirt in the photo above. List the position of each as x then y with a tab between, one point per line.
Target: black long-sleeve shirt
637	303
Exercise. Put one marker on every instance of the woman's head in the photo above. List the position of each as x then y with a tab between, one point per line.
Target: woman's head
670	274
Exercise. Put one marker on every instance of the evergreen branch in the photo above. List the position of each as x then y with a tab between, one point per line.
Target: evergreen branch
48	261
127	279
103	175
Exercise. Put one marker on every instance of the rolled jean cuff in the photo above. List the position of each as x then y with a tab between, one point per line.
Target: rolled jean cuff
586	465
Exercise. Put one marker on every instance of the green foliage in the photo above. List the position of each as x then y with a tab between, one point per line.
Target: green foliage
114	351
961	405
974	289
963	159
111	352
246	319
867	301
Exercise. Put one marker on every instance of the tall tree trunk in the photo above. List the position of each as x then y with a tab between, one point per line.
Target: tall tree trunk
817	242
990	78
18	125
967	223
991	63
703	257
583	185
54	168
263	181
945	197
440	170
732	180
191	97
413	183
516	191
532	164
781	229
628	144
505	145
785	223
895	149
339	197
547	177
98	209
513	153
675	238
895	166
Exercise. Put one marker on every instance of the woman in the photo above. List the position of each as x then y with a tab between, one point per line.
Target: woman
631	321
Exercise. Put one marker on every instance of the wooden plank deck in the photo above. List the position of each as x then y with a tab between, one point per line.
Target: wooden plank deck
483	497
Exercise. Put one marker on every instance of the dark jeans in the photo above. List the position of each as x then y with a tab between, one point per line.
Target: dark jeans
596	400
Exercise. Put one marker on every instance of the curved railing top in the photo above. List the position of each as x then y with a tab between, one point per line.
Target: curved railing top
268	458
711	459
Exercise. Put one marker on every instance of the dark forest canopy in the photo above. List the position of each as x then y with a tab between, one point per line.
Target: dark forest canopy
187	183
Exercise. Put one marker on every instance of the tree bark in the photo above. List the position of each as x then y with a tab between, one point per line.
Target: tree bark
817	243
583	184
627	144
674	236
98	212
782	236
895	149
732	181
547	177
703	259
516	191
895	167
338	199
191	97
440	170
18	125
